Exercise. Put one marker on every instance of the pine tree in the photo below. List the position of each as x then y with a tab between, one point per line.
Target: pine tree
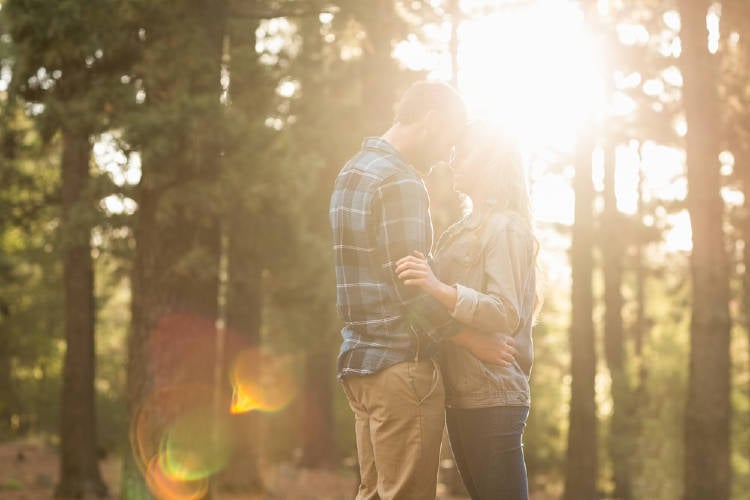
707	416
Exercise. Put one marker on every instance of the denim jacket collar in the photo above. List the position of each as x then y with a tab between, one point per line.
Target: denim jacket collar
479	213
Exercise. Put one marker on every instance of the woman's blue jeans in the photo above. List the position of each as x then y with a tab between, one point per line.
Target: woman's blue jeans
487	446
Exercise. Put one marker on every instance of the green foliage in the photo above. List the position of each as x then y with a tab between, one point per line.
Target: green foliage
660	412
11	485
30	277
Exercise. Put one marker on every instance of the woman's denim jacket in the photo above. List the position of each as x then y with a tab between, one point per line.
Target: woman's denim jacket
489	256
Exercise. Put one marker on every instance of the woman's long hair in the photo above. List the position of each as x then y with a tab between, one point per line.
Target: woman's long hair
495	158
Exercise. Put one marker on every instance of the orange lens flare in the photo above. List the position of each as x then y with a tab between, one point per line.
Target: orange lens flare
179	440
181	433
195	447
164	487
261	382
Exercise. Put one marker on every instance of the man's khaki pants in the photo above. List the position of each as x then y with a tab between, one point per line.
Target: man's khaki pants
399	417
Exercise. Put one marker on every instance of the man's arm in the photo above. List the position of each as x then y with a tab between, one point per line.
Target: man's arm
402	217
494	348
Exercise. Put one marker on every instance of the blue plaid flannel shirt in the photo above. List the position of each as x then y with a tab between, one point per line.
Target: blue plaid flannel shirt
379	213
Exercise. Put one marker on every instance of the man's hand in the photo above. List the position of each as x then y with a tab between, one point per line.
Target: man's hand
494	348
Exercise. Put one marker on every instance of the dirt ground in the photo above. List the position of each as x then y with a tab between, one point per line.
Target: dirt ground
28	471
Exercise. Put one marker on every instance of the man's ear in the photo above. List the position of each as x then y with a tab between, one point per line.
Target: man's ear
430	117
428	122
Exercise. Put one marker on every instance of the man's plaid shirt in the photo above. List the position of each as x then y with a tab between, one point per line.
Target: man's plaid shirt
379	213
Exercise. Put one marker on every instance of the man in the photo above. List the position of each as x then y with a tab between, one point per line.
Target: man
379	213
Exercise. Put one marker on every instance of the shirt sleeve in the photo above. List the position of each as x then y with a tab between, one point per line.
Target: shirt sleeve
507	261
402	210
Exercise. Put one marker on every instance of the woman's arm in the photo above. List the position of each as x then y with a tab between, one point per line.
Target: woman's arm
415	270
506	264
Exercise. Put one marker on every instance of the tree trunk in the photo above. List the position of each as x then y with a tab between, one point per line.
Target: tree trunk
641	319
175	274
9	402
454	11
707	416
581	457
379	94
174	310
620	437
738	14
743	160
145	310
318	440
320	345
79	469
243	316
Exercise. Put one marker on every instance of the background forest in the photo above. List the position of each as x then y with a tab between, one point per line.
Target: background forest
167	301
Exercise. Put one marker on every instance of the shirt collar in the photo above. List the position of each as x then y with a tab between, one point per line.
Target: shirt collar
380	145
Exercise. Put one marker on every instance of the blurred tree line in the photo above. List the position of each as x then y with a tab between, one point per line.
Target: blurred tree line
164	184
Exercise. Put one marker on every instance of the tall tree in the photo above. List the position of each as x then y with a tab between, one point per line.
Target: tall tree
707	416
581	465
177	130
79	462
613	246
736	107
318	90
69	61
581	458
249	162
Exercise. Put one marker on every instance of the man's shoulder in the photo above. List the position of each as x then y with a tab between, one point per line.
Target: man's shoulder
380	167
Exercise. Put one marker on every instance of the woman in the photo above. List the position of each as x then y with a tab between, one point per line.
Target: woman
485	274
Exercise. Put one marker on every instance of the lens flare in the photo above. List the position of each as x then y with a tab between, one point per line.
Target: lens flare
261	382
181	433
195	447
179	441
164	487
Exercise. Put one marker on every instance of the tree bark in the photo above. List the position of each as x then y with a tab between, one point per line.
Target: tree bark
581	457
79	468
738	14
175	274
243	316
620	436
642	322
379	95
9	402
318	445
707	416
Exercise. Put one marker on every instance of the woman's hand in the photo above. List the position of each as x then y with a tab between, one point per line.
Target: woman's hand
415	270
494	348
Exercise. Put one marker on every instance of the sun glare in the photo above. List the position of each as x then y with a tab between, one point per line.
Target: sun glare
531	69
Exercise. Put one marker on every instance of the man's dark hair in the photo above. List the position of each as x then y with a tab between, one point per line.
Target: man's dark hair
424	96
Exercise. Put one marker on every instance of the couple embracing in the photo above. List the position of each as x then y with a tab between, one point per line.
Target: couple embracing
435	335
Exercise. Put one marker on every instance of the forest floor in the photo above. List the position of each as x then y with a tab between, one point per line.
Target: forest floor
29	470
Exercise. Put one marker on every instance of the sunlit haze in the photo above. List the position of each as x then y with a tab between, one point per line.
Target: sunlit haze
533	69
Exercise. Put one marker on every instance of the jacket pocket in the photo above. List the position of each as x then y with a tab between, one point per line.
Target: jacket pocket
467	251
